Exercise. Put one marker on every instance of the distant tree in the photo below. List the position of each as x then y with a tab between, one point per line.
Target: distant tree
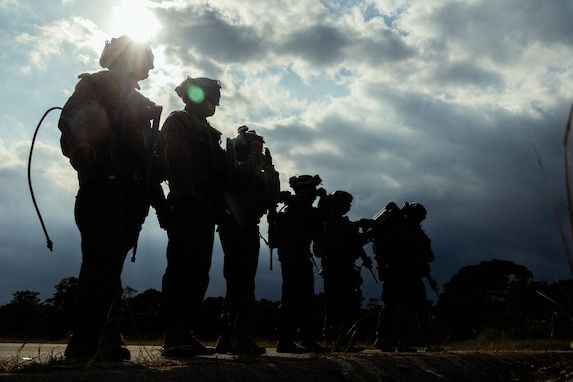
23	317
128	292
65	294
140	320
148	301
489	281
475	298
60	308
25	298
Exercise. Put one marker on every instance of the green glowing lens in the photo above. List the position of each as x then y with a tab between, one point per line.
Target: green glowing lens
196	94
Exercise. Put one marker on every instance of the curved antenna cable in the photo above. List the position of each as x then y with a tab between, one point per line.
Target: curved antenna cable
50	244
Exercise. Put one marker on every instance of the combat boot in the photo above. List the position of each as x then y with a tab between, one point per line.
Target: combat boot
284	346
183	343
353	349
245	345
112	347
384	347
405	348
81	347
223	345
314	347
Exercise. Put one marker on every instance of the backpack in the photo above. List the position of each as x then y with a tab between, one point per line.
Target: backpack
160	163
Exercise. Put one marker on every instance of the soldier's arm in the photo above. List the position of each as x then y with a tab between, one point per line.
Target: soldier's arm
426	247
255	163
178	156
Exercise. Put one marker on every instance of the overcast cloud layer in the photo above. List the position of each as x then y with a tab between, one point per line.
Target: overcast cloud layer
391	100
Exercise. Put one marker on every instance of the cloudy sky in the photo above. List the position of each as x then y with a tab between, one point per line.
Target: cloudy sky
391	100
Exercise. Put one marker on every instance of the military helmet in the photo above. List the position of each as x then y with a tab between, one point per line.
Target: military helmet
299	181
341	196
340	201
242	142
196	90
124	54
414	211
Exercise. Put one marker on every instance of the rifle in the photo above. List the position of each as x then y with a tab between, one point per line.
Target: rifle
273	183
319	270
367	263
433	284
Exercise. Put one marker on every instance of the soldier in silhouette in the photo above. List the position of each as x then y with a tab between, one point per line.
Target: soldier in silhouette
339	245
106	134
247	197
402	255
195	169
299	226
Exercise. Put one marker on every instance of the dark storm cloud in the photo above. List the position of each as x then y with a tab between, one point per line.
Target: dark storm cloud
461	73
502	31
318	44
386	47
195	30
474	170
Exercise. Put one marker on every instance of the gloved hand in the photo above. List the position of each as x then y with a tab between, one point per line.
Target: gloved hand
83	157
154	112
365	223
166	217
367	262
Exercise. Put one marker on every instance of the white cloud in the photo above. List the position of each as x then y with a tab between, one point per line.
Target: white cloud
53	41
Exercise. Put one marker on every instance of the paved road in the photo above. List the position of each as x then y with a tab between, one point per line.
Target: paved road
42	352
24	352
371	365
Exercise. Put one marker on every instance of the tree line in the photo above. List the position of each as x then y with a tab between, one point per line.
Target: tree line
490	300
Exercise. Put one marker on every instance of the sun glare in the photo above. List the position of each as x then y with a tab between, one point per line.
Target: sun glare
134	18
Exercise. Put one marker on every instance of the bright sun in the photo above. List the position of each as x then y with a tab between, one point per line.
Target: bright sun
134	18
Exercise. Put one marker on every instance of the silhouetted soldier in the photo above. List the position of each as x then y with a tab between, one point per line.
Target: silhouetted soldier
247	198
402	255
298	226
339	246
195	169
106	133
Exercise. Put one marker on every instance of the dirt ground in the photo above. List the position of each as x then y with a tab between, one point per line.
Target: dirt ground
366	366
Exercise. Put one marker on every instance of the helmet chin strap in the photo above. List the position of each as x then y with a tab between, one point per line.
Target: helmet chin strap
202	109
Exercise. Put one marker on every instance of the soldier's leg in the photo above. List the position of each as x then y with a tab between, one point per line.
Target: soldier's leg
387	318
408	328
99	216
286	317
185	283
241	248
309	327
